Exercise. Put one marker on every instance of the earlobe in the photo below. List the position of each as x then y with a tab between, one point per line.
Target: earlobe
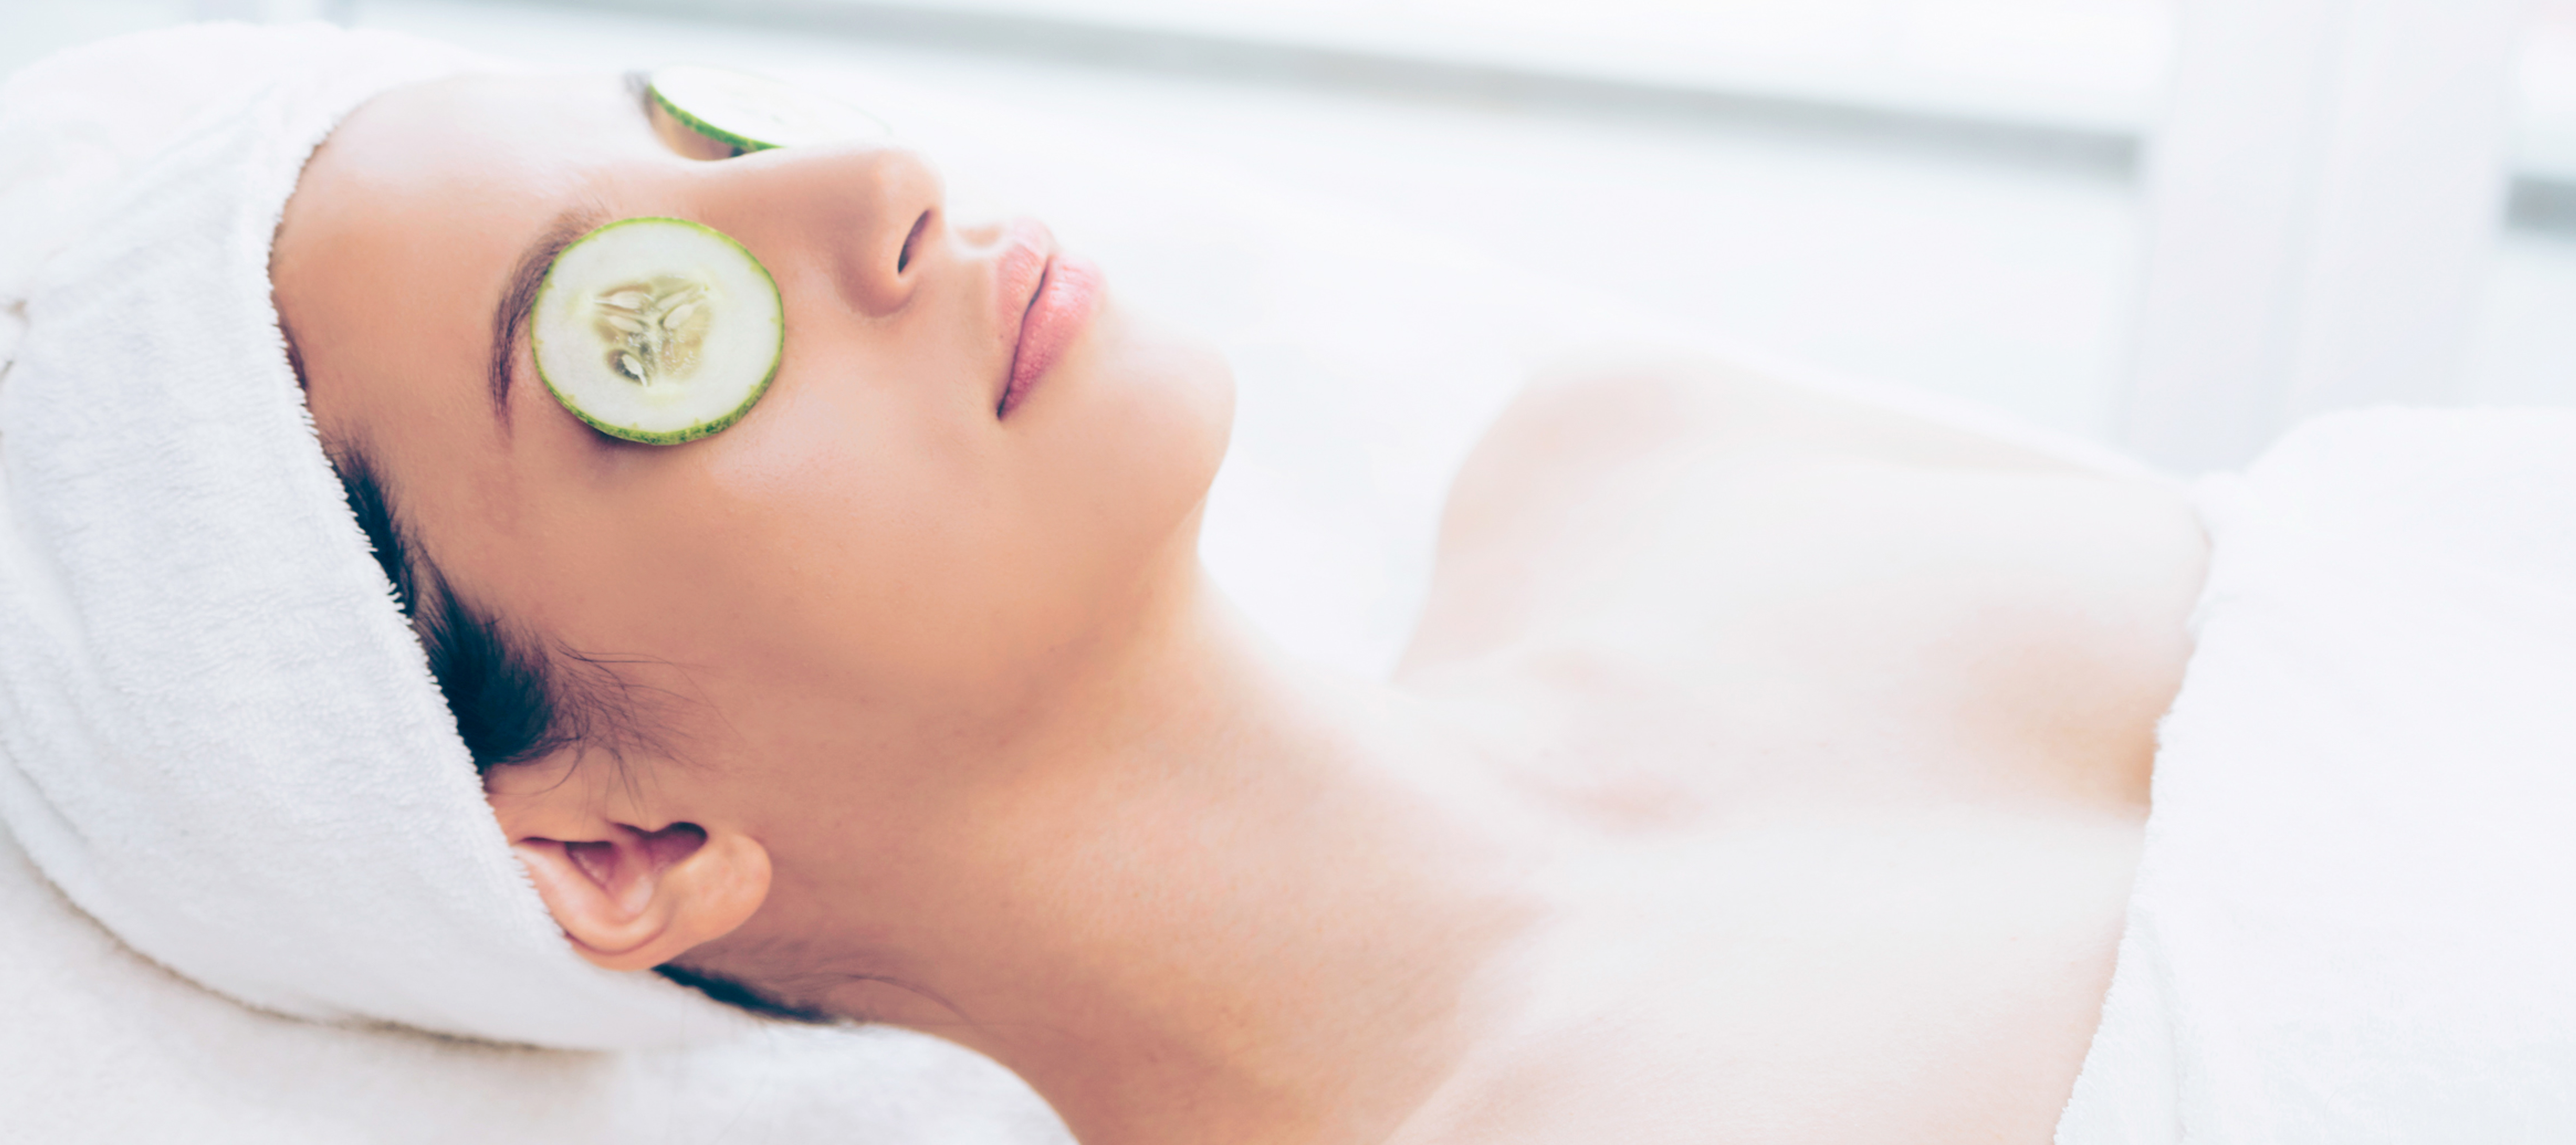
640	899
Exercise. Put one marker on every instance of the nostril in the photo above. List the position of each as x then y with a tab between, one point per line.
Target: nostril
903	258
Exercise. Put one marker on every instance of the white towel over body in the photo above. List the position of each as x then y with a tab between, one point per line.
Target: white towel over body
2355	917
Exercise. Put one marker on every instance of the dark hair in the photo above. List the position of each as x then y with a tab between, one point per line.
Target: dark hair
499	685
733	992
510	704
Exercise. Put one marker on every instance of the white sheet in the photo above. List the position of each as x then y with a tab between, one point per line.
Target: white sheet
2355	919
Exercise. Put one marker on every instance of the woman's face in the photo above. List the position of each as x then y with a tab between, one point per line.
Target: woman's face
872	565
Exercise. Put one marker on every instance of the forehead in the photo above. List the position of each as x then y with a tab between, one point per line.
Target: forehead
396	247
426	193
476	142
396	244
432	184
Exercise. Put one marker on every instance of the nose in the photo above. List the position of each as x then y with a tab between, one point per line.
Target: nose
868	217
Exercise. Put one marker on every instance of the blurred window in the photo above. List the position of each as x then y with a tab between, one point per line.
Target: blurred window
2548	86
2091	63
2095	66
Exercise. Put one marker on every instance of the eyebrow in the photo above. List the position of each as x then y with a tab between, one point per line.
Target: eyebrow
510	319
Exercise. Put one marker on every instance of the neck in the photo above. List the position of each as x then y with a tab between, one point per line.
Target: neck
1245	907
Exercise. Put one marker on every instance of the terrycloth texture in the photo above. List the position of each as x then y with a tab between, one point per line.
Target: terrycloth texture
102	1048
217	734
2355	918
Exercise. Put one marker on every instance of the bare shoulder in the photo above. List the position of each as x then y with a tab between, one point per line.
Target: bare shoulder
1580	447
1572	425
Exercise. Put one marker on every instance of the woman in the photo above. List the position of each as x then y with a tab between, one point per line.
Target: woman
1762	765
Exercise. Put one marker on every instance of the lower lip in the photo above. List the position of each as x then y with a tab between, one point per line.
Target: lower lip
1063	306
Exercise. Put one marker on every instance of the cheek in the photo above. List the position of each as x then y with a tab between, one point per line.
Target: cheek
891	511
857	532
867	538
840	544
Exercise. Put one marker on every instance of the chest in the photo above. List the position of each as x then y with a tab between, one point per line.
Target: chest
1924	976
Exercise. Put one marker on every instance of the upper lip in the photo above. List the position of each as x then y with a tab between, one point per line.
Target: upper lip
1028	252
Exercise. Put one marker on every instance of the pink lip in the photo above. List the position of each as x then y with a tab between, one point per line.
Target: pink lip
1050	296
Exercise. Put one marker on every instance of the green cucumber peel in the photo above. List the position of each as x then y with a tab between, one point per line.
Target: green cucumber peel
754	113
657	330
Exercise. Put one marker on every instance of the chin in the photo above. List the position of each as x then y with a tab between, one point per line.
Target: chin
1141	426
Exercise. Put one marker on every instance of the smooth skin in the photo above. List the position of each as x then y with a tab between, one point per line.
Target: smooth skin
1765	768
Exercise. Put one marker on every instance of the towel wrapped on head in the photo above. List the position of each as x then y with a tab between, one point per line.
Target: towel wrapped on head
218	734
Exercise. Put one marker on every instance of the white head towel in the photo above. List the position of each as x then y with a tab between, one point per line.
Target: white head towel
217	734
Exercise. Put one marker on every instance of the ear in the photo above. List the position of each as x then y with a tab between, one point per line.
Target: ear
638	899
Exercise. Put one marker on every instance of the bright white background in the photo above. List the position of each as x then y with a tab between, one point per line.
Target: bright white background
1941	193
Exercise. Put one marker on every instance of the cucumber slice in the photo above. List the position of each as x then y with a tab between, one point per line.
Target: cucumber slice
755	113
657	330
